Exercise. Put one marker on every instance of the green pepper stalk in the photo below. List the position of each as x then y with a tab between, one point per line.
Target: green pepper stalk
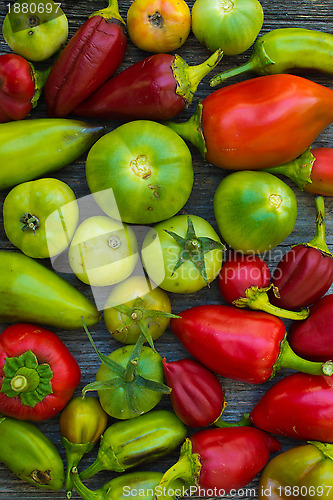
82	423
137	441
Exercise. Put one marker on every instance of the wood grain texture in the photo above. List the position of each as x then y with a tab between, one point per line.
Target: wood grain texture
316	14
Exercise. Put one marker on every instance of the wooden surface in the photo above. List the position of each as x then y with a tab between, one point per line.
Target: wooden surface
315	14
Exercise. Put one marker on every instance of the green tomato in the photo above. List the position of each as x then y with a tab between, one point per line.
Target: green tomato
131	394
35	29
255	211
40	217
103	251
140	173
230	25
182	254
137	306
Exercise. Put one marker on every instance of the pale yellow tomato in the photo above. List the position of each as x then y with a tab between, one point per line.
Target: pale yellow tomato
158	26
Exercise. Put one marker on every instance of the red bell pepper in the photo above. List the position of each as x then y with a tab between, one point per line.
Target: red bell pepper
90	57
299	406
38	374
20	87
244	345
196	393
312	338
157	88
228	459
244	281
233	126
305	272
312	171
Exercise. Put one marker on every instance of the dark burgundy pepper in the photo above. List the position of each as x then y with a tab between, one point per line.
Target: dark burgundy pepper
196	393
90	57
305	272
156	88
244	281
313	338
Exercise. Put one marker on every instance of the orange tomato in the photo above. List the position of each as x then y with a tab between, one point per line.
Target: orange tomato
158	26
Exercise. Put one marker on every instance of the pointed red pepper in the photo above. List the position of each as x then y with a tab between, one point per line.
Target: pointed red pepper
90	57
312	338
299	406
196	393
156	88
239	344
244	281
305	272
20	87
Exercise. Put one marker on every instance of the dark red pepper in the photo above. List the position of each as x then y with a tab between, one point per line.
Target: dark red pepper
244	281
299	406
312	171
305	273
233	126
90	57
38	374
156	88
244	345
196	393
228	459
20	87
313	338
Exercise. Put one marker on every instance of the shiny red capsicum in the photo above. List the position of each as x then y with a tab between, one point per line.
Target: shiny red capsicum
299	406
20	87
233	126
312	338
90	57
38	374
249	346
228	459
311	172
305	273
156	88
196	393
244	281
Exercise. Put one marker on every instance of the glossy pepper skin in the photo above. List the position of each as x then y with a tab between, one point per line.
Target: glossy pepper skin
285	49
312	338
20	87
82	422
157	88
90	57
244	281
229	458
244	345
305	273
299	406
196	393
137	441
301	472
27	452
33	148
30	292
311	172
233	126
38	374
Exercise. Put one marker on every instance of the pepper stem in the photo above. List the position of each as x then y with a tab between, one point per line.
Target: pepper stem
187	468
230	73
110	12
257	298
82	490
298	170
74	453
189	77
289	359
318	241
243	422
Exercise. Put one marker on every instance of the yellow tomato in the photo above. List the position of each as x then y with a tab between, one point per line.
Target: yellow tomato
158	26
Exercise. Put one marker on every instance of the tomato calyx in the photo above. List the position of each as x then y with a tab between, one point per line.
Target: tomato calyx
25	378
128	379
30	222
193	248
138	315
156	20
